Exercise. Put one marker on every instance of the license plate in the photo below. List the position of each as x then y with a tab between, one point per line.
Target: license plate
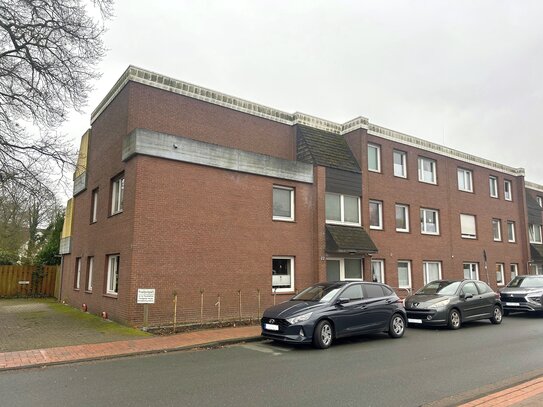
414	321
512	304
271	327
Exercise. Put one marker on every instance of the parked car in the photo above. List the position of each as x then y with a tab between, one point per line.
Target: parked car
453	302
522	294
326	311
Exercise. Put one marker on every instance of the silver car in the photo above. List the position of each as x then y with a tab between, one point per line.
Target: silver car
523	294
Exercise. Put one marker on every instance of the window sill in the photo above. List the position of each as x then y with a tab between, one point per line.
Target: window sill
402	231
115	214
375	171
469	237
465	190
400	176
289	292
110	295
427	182
77	289
334	222
376	228
429	234
88	291
284	220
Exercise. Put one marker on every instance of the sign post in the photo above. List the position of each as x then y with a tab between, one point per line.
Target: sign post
146	296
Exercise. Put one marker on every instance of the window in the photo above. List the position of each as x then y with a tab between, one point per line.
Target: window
343	269
400	164
77	277
112	284
375	291
535	233
404	274
353	293
465	180
94	206
342	209
493	183
117	193
427	170
402	218
431	271
514	270
470	288
471	271
507	190
283	203
499	274
539	201
374	158
511	232
467	226
429	221
283	274
497	230
378	271
376	215
90	267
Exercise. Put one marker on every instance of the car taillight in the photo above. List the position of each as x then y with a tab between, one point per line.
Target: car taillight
497	295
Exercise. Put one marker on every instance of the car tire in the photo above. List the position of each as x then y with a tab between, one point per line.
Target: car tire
454	321
496	315
396	326
323	335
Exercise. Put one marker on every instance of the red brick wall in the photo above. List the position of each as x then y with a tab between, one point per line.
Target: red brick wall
449	247
171	113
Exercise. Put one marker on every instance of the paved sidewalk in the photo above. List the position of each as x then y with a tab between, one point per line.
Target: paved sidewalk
527	394
78	353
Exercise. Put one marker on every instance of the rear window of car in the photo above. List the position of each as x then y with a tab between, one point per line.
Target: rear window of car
483	288
373	290
526	282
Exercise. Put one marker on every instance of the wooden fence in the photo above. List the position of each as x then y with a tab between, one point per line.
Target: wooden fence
27	281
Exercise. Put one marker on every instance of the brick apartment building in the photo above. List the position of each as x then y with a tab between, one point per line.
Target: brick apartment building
233	206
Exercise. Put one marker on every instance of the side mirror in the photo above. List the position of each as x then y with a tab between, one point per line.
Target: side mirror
343	300
467	296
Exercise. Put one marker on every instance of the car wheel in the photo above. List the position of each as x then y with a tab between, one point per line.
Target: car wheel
454	320
505	313
496	315
323	335
396	326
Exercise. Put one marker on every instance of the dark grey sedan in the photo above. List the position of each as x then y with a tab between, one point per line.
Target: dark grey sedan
450	302
326	311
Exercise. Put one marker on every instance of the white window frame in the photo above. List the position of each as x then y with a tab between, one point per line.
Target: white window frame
511	234
342	210
539	200
113	265
342	267
507	190
534	227
377	150
466	176
117	195
90	267
463	232
408	262
77	281
493	185
380	207
403	155
94	213
473	270
292	211
423	221
406	214
382	273
289	289
500	270
513	270
425	270
497	222
433	163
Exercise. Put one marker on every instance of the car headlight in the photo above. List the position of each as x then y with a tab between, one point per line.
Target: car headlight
299	318
440	304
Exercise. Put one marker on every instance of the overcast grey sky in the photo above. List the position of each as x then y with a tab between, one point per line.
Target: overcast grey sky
466	74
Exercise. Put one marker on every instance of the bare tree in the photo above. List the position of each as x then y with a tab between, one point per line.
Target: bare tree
48	52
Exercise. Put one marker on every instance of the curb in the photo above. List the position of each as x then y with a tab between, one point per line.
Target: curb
212	345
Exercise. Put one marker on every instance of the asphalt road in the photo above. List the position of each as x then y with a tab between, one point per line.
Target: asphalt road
424	366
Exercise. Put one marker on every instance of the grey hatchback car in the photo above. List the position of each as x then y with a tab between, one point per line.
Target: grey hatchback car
452	302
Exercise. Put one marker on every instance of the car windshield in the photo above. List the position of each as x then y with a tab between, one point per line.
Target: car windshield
526	282
318	293
440	288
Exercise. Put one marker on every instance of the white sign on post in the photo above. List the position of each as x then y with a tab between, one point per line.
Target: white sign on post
146	296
